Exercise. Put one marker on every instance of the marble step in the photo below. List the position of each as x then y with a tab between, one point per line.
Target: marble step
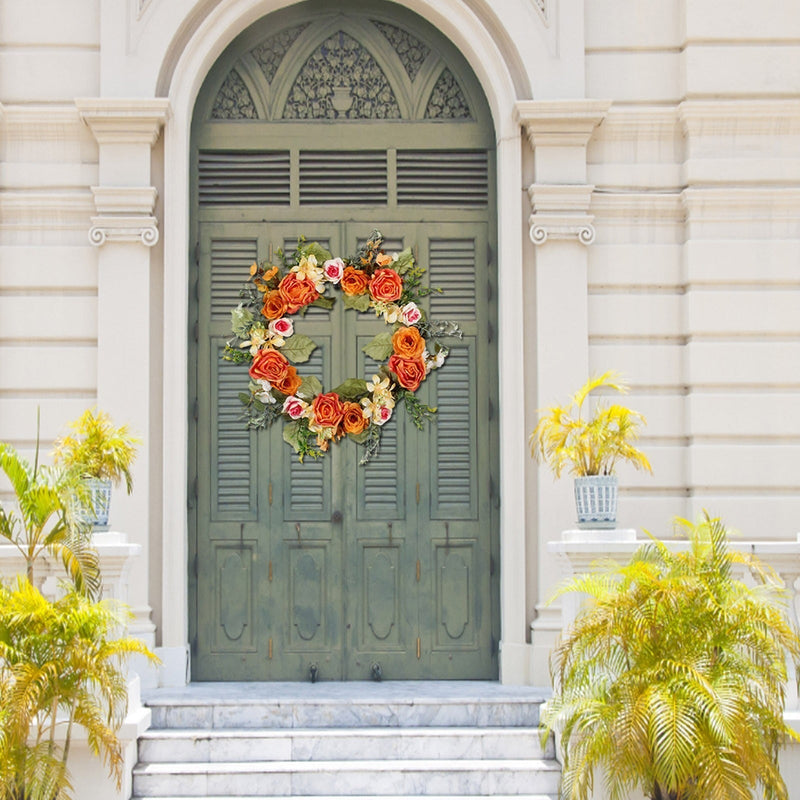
371	797
160	746
396	704
348	778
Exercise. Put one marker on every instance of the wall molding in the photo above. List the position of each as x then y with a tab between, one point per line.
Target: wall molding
560	211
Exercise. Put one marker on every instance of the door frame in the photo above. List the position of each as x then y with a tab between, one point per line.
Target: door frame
495	73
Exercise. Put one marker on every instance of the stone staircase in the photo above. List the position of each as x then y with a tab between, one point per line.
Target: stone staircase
358	740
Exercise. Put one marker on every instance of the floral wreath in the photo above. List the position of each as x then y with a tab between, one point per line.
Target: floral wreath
389	285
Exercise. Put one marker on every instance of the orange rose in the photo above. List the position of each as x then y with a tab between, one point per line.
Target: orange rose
354	281
410	371
274	305
328	410
269	365
408	343
297	292
354	420
386	285
290	384
383	259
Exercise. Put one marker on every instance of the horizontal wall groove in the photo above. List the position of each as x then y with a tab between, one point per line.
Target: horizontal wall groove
38	47
32	341
598	290
743	440
751	337
42	291
88	393
637	341
750	491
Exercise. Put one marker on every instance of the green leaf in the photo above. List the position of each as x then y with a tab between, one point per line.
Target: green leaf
359	302
352	389
324	302
241	320
298	348
405	260
309	388
292	435
380	348
359	438
245	398
317	250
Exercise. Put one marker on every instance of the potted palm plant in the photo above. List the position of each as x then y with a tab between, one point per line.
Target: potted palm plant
672	678
61	667
44	520
589	446
101	454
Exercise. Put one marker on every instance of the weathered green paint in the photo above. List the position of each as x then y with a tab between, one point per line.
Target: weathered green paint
327	562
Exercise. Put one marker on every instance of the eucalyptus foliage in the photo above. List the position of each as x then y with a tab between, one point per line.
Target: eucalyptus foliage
60	666
673	677
568	440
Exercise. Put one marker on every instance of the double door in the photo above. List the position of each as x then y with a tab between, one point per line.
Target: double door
327	566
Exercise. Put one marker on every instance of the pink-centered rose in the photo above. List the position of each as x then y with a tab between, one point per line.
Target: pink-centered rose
382	416
333	269
294	407
411	314
281	327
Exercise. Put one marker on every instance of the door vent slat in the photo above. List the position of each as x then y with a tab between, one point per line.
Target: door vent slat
457	178
228	178
336	177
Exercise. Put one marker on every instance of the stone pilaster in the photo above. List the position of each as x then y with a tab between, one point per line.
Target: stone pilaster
560	226
128	375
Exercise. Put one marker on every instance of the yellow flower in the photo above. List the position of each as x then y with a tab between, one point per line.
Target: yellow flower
308	268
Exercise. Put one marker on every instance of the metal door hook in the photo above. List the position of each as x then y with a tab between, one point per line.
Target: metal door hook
377	672
313	672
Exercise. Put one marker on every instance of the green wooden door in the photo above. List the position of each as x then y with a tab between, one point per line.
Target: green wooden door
328	563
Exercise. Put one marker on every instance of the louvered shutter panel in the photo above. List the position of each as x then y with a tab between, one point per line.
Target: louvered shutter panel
230	265
233	451
238	178
337	177
454	490
457	178
451	265
308	490
380	483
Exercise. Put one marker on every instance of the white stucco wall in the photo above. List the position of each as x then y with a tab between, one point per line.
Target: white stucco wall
690	287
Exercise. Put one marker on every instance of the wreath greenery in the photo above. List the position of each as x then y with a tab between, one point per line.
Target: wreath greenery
264	337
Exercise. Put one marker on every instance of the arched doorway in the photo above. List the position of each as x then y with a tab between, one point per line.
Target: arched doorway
329	124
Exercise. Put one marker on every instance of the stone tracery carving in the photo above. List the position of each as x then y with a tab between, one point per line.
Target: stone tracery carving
233	101
447	101
410	50
269	54
341	80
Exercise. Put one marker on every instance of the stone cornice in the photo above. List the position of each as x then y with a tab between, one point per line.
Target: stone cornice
560	122
560	211
756	117
115	120
726	204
